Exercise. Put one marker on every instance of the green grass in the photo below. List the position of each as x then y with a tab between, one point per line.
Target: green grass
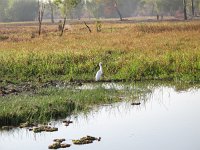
145	51
164	51
45	104
173	65
52	103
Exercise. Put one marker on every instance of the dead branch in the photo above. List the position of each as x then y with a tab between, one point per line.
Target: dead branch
87	27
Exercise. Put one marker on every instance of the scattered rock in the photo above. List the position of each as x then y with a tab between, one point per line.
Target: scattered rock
86	140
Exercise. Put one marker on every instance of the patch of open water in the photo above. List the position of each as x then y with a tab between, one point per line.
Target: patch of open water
166	120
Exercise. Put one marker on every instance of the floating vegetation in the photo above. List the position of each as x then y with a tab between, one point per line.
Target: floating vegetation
44	128
86	140
65	145
58	144
54	146
59	140
7	128
27	124
67	122
136	103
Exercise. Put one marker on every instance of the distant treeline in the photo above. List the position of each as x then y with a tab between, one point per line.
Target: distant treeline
18	10
27	10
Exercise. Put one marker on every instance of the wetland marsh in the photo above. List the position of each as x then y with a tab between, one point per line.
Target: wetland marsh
167	118
129	51
48	79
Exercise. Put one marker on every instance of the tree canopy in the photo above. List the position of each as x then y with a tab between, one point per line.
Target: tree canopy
27	10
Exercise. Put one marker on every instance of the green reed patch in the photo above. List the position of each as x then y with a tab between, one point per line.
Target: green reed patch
51	103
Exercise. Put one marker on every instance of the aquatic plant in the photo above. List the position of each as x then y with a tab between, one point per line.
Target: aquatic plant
86	140
49	104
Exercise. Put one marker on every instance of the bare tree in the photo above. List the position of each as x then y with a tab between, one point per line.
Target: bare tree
66	7
52	10
193	9
63	25
185	9
117	9
41	7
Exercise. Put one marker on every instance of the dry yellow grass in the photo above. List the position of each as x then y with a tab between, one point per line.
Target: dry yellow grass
166	50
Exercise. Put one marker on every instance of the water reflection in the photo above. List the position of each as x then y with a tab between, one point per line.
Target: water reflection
168	119
107	86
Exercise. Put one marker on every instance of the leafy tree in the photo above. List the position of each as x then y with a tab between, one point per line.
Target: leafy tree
93	7
22	10
41	8
4	5
51	6
78	10
171	6
155	5
66	6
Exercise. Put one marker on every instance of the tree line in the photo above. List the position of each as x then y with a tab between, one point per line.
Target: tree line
28	10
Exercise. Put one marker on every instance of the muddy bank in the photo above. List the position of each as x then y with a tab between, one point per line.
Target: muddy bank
10	88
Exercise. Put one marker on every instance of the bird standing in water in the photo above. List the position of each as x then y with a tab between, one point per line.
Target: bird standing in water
99	73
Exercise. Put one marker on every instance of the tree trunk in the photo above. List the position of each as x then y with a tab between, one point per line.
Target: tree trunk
185	9
193	9
118	12
40	27
39	18
41	7
63	26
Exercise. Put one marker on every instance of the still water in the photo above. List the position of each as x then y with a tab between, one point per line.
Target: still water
166	120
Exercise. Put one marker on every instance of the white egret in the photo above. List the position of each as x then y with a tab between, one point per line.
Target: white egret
99	73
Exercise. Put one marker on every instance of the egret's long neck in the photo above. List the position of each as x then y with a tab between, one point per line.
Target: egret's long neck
101	69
